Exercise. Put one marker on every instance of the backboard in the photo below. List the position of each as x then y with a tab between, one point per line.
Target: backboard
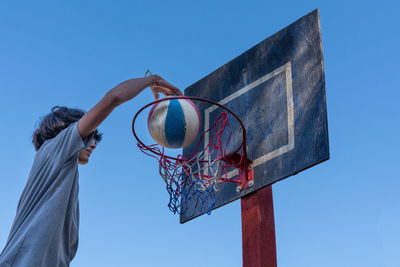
277	89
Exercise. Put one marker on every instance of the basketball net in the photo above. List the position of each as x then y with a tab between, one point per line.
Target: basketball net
191	182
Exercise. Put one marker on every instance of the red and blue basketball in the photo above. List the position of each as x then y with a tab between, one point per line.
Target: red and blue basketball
174	123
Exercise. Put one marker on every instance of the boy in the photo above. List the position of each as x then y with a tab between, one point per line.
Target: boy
45	228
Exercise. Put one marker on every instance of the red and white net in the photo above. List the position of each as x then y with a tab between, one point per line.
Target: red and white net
191	182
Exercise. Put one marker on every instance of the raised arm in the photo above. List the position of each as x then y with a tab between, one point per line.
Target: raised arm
121	93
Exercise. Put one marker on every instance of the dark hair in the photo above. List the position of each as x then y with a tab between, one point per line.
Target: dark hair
57	120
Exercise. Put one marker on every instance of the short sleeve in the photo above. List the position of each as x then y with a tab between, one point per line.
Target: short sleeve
67	143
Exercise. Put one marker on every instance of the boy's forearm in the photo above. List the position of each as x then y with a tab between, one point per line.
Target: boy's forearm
127	90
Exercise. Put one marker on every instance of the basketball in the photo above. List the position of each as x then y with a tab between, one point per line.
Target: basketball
174	123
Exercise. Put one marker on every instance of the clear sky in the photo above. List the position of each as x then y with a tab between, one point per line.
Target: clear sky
344	212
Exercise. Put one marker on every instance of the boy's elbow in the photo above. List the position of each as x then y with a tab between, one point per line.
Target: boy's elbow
114	98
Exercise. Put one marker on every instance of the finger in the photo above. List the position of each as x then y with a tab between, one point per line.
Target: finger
163	90
159	81
174	91
165	84
155	92
178	92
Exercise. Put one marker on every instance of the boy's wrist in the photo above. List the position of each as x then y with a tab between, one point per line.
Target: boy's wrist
151	80
148	80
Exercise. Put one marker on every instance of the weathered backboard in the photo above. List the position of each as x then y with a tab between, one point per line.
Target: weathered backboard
277	88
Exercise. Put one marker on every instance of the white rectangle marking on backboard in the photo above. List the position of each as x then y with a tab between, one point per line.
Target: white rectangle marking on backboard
290	109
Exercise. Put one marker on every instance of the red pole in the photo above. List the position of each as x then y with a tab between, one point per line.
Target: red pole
258	229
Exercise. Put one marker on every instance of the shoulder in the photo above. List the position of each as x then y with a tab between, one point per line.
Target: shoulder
67	143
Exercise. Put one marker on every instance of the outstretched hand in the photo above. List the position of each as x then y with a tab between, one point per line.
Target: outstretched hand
160	85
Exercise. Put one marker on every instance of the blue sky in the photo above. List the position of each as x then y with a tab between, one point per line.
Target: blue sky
344	212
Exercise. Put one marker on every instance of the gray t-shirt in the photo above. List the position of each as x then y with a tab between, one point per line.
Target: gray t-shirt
45	229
